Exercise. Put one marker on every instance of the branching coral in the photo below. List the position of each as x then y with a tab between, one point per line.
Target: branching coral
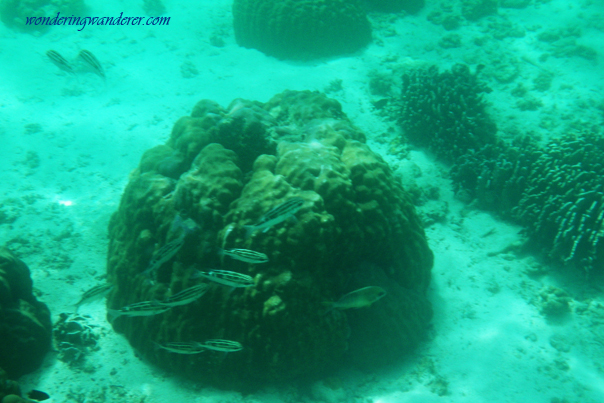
445	111
556	193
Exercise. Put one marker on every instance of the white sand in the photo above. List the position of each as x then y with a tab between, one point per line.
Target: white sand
488	342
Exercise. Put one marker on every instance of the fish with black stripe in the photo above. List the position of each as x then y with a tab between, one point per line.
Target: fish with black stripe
59	61
91	62
276	215
181	347
145	308
226	277
93	294
186	296
244	255
227	346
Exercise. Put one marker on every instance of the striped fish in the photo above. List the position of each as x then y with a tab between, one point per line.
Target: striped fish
59	61
245	255
167	252
164	254
360	298
185	296
181	347
93	294
145	308
226	346
225	277
91	62
276	215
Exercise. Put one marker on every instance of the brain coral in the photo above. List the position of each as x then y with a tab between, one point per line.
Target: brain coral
301	29
445	111
556	193
357	227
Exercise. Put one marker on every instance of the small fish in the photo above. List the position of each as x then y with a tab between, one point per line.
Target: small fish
276	215
358	299
38	395
59	61
164	254
167	252
226	346
228	278
245	255
93	294
182	347
145	308
185	296
92	62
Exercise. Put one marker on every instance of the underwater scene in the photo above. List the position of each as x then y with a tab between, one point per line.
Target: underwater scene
302	201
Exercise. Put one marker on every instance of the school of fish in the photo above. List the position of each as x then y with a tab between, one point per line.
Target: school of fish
85	62
179	231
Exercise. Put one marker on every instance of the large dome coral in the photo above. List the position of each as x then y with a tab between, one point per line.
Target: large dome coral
301	29
220	171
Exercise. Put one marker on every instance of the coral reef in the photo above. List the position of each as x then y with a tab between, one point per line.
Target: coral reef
451	15
496	175
357	227
241	128
474	10
446	17
514	3
445	111
556	193
14	12
562	43
553	302
301	29
25	327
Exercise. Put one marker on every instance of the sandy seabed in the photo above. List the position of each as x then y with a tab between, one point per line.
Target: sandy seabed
69	143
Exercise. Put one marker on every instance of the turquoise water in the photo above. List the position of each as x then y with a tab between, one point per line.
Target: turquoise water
70	140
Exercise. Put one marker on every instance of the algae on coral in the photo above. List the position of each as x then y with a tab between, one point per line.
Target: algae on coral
242	162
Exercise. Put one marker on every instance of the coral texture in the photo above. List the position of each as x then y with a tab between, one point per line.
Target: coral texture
25	327
553	302
556	193
445	111
357	227
496	175
301	29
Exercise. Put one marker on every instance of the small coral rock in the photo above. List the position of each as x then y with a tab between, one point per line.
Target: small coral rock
25	327
554	302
